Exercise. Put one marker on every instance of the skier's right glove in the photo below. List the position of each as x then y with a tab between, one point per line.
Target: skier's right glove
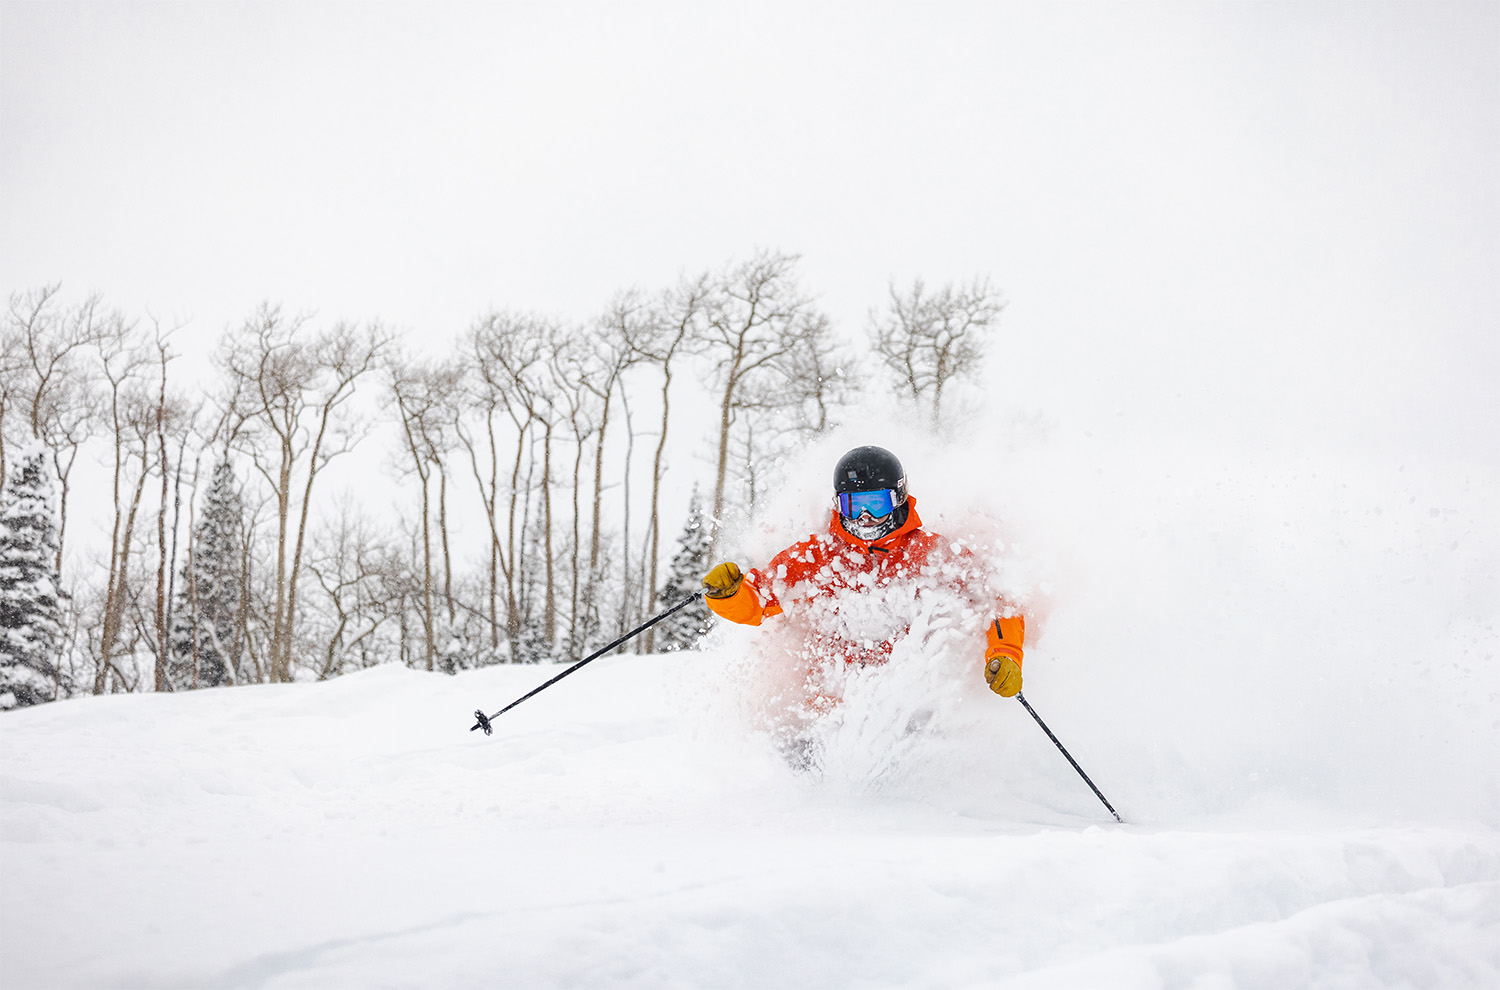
723	581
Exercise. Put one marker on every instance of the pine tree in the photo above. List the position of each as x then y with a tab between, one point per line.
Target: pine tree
682	629
209	599
31	631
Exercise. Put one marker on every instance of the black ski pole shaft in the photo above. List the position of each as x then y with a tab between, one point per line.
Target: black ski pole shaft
1061	749
483	721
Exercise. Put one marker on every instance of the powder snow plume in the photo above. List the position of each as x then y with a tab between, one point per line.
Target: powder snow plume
1316	636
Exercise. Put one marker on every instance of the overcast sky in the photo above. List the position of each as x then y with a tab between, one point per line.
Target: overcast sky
1250	220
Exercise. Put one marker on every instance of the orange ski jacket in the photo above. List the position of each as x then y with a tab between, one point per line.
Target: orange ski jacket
823	565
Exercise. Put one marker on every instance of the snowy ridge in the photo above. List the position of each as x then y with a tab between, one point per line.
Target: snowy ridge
618	831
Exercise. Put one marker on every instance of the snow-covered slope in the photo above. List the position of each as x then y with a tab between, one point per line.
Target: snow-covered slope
620	830
1283	674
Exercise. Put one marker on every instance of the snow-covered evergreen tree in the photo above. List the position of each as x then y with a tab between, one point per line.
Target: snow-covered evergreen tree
209	594
31	631
682	629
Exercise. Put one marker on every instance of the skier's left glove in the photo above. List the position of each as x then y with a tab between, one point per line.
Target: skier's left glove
1002	656
1003	675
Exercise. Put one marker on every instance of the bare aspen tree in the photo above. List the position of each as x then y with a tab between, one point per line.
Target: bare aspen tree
629	596
293	389
424	396
129	418
49	381
489	339
134	443
573	365
509	354
443	538
536	388
755	321
525	574
474	426
615	349
162	682
546	414
930	339
144	418
172	420
777	413
816	381
675	321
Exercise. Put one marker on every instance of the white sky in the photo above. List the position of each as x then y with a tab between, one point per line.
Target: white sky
1241	221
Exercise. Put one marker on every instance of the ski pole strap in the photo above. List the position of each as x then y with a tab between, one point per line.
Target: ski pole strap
1060	748
483	721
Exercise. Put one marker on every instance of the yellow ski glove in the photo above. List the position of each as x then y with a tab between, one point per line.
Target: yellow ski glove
1003	675
1002	656
723	581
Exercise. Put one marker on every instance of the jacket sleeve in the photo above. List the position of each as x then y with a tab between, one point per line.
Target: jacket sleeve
745	605
1007	637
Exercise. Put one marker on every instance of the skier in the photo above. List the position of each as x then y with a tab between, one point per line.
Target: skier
874	537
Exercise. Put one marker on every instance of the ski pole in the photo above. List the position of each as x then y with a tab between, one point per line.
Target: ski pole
1097	793
483	720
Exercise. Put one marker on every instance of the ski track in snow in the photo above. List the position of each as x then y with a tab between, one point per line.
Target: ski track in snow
625	829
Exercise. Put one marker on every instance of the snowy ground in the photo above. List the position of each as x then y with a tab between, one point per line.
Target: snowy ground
1284	679
355	834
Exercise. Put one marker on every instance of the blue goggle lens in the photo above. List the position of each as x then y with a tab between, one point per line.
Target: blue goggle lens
879	503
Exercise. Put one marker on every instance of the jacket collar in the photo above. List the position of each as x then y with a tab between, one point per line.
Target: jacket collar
886	543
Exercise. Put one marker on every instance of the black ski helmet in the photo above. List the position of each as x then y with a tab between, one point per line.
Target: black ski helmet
867	469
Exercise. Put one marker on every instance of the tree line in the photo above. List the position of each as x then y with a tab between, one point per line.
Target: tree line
223	560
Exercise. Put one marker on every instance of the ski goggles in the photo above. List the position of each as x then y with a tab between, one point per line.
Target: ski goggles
879	503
